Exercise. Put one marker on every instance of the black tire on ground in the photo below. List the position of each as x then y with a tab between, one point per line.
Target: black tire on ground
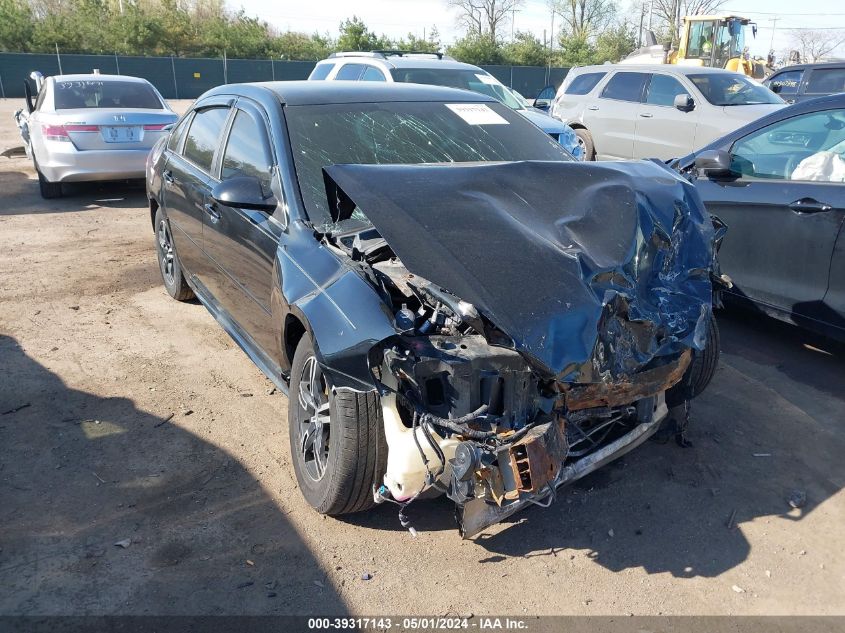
48	189
168	261
701	370
355	452
587	140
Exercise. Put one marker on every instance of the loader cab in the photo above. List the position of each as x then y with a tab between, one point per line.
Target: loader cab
716	41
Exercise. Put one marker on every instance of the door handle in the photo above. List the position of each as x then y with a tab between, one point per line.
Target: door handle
167	176
646	115
809	205
592	107
212	212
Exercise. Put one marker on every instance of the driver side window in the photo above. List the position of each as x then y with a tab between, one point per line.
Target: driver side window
247	150
809	147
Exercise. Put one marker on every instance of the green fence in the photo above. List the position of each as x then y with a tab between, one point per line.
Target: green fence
189	77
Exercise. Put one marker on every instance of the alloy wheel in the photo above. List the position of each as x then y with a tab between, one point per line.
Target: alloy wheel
314	419
166	256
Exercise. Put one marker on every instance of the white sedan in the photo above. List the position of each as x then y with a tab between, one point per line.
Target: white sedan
91	127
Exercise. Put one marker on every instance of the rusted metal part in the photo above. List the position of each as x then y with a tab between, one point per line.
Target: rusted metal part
536	458
477	514
641	385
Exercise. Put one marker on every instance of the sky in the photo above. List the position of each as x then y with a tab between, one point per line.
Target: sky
396	18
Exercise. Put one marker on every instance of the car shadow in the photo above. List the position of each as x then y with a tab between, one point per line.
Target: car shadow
21	195
681	510
108	509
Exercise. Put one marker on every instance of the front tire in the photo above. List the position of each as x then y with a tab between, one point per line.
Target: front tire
700	371
586	141
336	439
168	261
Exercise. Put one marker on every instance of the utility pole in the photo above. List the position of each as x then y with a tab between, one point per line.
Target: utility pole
774	22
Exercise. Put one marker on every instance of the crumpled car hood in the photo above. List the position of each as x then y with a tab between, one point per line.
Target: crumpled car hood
593	270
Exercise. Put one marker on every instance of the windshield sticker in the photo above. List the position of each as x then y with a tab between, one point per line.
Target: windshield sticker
476	114
490	80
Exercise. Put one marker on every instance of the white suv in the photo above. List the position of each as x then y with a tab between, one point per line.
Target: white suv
656	111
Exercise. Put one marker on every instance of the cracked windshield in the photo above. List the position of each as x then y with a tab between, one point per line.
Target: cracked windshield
409	133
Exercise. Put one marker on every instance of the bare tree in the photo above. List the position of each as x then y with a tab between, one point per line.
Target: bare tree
814	44
671	12
485	16
583	19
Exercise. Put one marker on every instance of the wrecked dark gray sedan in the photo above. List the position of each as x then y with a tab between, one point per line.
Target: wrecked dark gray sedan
456	306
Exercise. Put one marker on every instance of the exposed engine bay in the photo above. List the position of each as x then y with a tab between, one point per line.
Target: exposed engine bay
499	394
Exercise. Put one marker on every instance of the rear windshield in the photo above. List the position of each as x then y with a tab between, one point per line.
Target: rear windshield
404	133
95	93
731	90
475	80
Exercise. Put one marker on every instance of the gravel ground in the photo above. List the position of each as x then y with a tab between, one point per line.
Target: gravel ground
146	469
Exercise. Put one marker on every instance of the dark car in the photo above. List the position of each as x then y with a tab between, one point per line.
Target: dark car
403	259
807	81
779	185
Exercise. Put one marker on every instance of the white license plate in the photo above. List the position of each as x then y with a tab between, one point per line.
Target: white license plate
121	133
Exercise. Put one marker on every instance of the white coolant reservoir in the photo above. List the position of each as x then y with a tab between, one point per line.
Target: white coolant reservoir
406	472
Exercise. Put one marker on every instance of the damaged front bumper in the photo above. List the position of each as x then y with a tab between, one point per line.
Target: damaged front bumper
506	438
477	514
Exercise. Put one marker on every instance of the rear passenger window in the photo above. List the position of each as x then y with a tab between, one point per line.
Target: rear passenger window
321	71
350	72
174	143
826	81
247	151
372	74
625	87
662	90
204	137
583	84
786	83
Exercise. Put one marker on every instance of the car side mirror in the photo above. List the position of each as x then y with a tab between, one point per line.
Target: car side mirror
544	98
244	192
713	162
776	88
684	102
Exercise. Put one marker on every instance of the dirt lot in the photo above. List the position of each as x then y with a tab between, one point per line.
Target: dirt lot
139	421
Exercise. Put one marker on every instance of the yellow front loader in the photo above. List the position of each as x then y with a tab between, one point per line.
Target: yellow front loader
706	40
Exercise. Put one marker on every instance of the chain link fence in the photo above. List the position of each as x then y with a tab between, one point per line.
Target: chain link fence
189	77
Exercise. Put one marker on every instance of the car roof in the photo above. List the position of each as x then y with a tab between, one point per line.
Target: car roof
99	77
677	69
405	61
839	64
295	93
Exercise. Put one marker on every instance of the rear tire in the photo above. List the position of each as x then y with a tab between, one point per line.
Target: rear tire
168	261
337	471
49	190
586	142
